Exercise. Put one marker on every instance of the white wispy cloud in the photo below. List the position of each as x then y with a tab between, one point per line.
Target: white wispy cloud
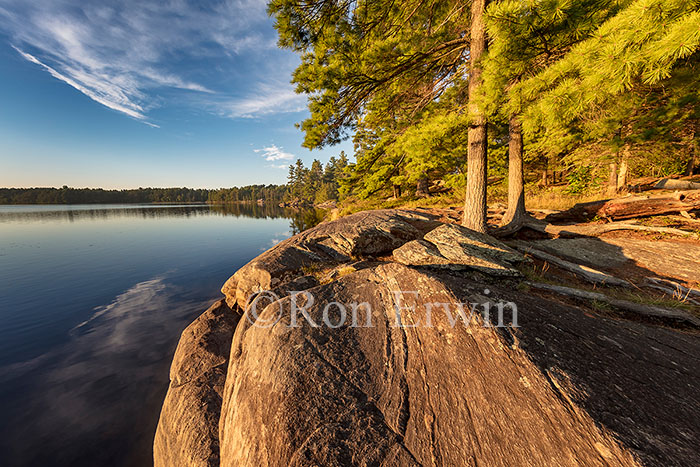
268	99
109	96
274	153
122	53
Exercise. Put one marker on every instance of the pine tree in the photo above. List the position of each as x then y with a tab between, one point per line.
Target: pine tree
623	96
404	52
297	180
433	148
642	45
526	38
373	67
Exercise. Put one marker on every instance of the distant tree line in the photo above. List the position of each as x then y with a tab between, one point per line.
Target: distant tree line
250	193
67	195
315	184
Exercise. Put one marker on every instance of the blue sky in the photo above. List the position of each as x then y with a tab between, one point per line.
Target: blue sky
129	93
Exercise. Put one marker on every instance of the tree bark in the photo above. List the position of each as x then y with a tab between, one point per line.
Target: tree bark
397	191
612	179
475	202
695	150
627	208
422	187
622	174
515	214
545	174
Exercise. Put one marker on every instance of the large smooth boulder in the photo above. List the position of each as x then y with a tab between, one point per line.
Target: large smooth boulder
564	388
187	433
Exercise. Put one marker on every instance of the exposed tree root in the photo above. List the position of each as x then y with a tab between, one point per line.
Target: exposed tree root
589	274
592	230
623	305
685	291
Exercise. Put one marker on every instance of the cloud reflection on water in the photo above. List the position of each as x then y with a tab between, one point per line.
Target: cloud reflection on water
86	388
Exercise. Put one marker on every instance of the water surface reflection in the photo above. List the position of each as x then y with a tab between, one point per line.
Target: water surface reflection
92	301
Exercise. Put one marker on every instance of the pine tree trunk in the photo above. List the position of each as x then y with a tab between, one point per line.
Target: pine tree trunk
622	174
691	162
475	202
612	179
397	191
694	153
422	187
545	173
515	214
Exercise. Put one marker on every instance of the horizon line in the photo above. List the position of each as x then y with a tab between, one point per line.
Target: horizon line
137	188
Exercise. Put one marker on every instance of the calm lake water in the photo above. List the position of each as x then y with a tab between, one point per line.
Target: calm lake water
93	299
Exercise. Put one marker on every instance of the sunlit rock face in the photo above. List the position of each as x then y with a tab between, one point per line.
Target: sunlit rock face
187	433
365	234
417	373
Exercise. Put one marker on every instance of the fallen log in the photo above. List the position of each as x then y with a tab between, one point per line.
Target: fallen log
686	219
631	207
623	305
589	274
673	184
643	184
592	230
638	206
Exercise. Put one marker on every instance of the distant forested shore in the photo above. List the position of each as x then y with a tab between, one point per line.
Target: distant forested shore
68	195
315	184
